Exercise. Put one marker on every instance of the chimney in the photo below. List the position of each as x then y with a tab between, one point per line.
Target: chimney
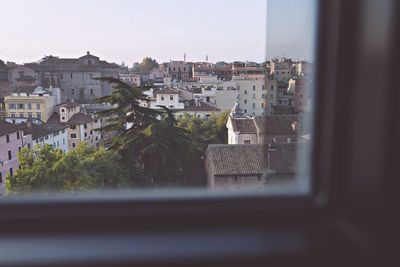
88	53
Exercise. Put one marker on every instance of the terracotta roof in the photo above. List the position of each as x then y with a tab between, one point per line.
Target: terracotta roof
54	118
44	129
243	125
80	118
166	91
192	105
228	160
7	128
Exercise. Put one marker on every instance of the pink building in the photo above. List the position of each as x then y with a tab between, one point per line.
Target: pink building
12	140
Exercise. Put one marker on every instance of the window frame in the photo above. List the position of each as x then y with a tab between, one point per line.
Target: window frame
333	179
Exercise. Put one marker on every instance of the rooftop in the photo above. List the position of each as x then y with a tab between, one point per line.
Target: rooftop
44	129
7	128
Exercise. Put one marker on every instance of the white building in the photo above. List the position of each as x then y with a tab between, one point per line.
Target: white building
54	134
256	96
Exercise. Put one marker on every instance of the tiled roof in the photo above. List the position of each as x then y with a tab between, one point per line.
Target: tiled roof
7	128
79	118
54	118
166	91
192	105
277	124
44	129
25	89
228	160
244	125
236	159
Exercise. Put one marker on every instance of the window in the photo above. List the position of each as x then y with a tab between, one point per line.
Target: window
11	106
245	101
71	76
37	106
29	106
254	105
39	116
73	145
263	87
254	96
21	106
85	126
91	91
1	177
85	134
18	136
254	87
162	98
73	135
245	92
30	115
29	145
9	155
272	88
7	138
19	148
247	142
171	97
11	172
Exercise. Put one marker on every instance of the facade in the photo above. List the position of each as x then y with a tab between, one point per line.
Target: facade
81	127
168	98
76	76
256	96
21	76
130	78
282	69
12	139
53	134
197	108
205	69
31	103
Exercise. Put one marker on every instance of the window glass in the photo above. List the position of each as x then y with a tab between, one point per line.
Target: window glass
171	110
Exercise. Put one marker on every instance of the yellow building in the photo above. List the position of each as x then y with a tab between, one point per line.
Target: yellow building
29	104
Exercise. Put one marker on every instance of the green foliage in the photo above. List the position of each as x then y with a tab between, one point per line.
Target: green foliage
205	132
48	169
145	66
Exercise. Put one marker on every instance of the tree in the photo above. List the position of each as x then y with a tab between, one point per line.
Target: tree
166	152
205	132
145	66
49	169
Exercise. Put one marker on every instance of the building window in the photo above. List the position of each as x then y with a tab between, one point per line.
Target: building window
254	96
11	172
21	106
1	177
245	92
13	116
272	88
91	91
245	101
19	149
71	75
29	145
254	87
85	134
73	135
29	106
30	115
63	118
9	155
73	145
11	106
263	88
162	98
254	105
37	106
39	116
246	142
245	111
8	138
18	136
262	105
171	97
85	126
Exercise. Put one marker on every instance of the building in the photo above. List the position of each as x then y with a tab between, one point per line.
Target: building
205	69
12	140
130	78
256	96
197	108
81	127
254	166
282	69
32	102
53	134
167	97
264	129
21	76
76	76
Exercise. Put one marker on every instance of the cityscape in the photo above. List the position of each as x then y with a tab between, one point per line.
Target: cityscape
84	123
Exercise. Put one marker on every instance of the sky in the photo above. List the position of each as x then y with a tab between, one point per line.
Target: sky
129	30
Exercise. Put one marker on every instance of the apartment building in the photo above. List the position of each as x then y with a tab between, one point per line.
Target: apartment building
32	102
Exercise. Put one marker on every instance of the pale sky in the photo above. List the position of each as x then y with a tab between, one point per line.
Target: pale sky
129	30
